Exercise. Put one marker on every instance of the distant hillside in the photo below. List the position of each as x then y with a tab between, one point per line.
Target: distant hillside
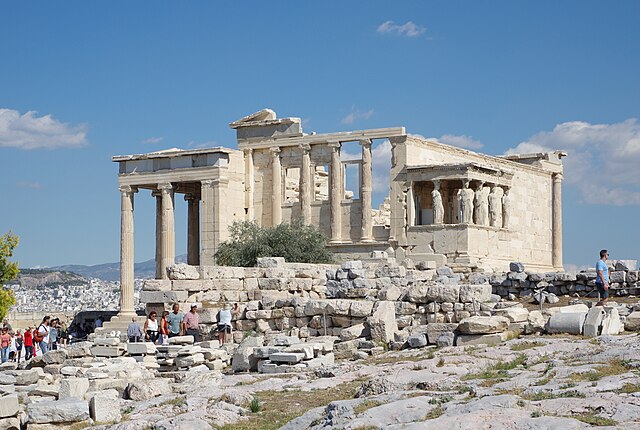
111	271
31	278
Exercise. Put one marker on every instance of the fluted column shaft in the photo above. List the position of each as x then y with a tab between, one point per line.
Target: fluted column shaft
126	251
557	221
158	196
366	188
207	252
193	229
276	191
335	193
168	228
305	184
248	182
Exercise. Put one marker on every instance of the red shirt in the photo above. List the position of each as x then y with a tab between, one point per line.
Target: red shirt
28	338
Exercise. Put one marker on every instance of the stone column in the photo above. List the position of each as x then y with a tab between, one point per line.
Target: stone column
276	187
506	206
438	205
248	182
335	193
193	229
168	228
158	195
126	251
207	251
366	188
557	221
305	184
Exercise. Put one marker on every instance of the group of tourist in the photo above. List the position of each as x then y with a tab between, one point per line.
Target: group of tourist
176	323
50	334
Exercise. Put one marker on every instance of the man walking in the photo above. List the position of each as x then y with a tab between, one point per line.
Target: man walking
602	278
174	319
134	331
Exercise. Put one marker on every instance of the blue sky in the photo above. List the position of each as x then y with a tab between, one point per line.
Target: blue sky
82	81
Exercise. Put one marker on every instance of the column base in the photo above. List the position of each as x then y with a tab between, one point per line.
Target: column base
336	242
367	240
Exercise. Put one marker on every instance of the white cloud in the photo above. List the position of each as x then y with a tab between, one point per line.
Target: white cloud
30	131
29	184
461	141
408	29
153	140
603	158
356	115
192	144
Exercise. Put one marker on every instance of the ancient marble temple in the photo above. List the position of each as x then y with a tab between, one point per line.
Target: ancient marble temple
446	204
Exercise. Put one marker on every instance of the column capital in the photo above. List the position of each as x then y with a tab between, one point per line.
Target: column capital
558	177
365	142
275	150
127	189
305	147
156	193
165	186
189	197
248	151
395	140
335	146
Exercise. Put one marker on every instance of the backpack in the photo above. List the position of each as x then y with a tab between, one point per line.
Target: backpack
37	336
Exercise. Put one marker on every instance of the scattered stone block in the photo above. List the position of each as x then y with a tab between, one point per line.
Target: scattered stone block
481	339
137	348
73	387
478	293
270	262
383	322
287	357
632	322
435	330
9	406
483	325
516	266
181	340
147	389
105	407
417	340
446	339
183	271
566	322
514	314
58	411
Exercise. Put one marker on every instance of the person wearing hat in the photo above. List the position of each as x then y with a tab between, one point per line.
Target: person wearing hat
190	323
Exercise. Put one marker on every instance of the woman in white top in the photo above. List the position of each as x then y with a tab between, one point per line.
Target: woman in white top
224	321
151	327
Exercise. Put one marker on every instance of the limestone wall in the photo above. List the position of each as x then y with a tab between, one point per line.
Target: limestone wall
529	236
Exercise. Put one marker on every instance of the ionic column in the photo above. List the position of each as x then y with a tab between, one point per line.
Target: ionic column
207	252
158	195
366	188
305	184
168	228
276	191
193	229
248	182
126	251
335	193
557	221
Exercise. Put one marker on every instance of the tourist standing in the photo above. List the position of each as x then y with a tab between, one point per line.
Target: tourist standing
190	323
151	327
63	334
53	334
6	324
42	335
5	344
13	348
98	322
134	332
164	328
175	321
602	278
28	343
19	339
224	321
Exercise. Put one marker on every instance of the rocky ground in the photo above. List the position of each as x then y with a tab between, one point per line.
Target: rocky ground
534	382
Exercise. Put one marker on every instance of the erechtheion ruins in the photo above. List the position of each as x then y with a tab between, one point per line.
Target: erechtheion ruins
446	204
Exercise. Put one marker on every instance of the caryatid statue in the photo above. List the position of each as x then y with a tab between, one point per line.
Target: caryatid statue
466	203
480	206
438	207
506	207
495	207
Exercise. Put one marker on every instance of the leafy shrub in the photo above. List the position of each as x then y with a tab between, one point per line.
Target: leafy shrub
295	242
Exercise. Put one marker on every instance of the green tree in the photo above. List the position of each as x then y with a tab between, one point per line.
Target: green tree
295	242
8	271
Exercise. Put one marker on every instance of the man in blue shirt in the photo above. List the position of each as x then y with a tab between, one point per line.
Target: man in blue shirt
602	278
